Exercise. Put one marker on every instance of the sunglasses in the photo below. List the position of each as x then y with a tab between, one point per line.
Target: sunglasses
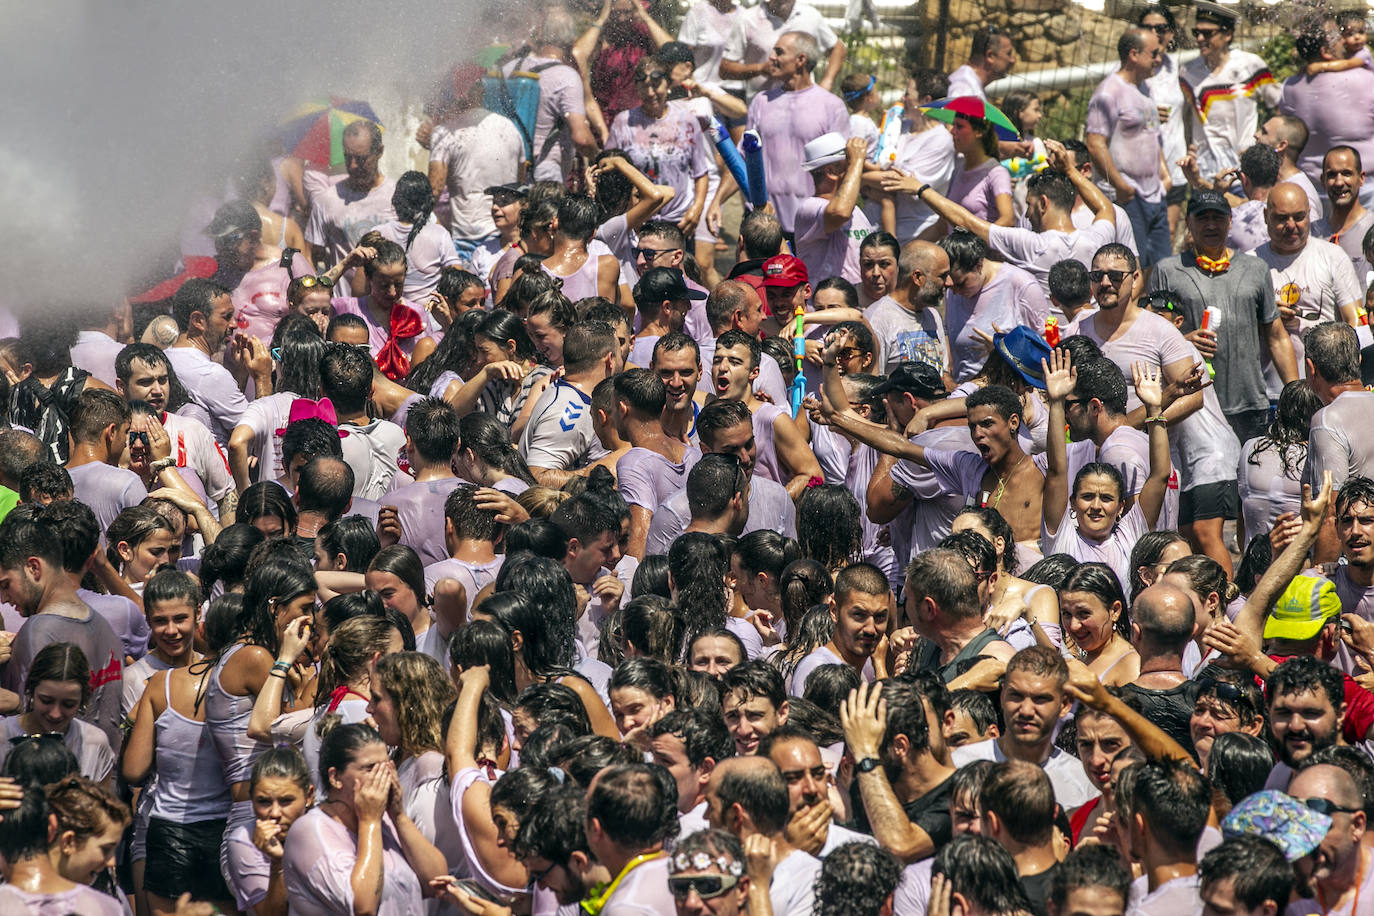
1160	29
649	254
706	886
1227	693
653	77
1206	34
44	736
1115	276
312	282
1323	806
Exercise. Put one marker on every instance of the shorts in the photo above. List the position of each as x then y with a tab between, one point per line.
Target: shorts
1209	500
732	123
1176	195
179	856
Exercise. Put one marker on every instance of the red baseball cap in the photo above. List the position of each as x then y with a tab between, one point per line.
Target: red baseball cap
784	270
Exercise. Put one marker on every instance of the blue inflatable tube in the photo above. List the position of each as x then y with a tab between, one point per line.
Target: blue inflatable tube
730	156
753	164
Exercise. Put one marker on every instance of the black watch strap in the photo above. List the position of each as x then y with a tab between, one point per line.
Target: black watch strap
867	765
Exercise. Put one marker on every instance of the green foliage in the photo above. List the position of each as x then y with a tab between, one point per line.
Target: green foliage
1281	55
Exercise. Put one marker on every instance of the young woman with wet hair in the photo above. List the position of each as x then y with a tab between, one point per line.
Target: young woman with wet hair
267	508
538	615
276	593
485	642
410	692
757	563
57	688
343	688
643	690
714	651
1152	555
1012	596
698	571
182	815
830	526
346	545
487	457
358	846
1096	619
90	823
804	584
476	750
138	543
509	377
397	574
34	883
281	791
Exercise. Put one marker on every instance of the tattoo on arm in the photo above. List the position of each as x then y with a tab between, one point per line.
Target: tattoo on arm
899	492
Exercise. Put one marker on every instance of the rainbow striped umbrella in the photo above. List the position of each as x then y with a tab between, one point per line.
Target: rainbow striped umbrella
314	131
972	107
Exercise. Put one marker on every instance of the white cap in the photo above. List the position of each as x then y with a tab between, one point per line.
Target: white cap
823	150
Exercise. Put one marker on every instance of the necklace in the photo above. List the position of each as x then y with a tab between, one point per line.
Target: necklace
1002	484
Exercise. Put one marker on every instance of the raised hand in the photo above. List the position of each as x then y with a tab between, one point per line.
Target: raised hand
863	716
1060	375
1148	385
1314	509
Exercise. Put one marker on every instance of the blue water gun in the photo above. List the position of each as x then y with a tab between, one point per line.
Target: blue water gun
752	147
798	390
730	155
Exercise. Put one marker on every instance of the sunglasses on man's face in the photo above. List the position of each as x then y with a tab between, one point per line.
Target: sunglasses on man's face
1115	276
706	886
653	77
1327	807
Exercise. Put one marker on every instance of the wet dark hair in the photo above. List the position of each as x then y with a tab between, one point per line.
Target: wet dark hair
1147	551
36	761
1292	423
456	353
1090	865
546	616
829	525
1051	570
226	560
341	745
403	563
353	536
992	520
828	686
653	628
717	633
983	872
1257	868
266	499
537	536
413	201
857	878
485	642
24	831
283	580
1098	580
651	577
804	584
281	762
699	563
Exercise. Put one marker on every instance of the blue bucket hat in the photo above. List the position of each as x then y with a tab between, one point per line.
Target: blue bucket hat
1023	349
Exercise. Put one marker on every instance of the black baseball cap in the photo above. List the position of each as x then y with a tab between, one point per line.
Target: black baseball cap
519	190
911	377
660	284
1208	202
235	216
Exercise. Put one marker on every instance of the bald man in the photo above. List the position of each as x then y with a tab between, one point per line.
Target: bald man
1313	279
1338	872
1162	622
906	323
1052	236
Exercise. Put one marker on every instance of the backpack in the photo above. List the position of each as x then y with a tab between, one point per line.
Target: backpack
517	97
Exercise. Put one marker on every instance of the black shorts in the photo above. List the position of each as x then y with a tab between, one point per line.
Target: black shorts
1176	195
1209	500
185	857
732	123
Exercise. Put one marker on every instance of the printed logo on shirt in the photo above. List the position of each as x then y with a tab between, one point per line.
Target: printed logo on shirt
571	414
921	347
106	675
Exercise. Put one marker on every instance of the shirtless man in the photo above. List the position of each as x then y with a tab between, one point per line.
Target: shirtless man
999	476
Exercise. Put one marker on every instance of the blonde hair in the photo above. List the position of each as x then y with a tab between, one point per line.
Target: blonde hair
351	646
421	691
540	502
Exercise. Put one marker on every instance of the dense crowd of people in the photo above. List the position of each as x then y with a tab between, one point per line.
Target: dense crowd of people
991	533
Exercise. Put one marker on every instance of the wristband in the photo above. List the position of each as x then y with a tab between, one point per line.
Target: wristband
162	464
283	667
1159	419
922	189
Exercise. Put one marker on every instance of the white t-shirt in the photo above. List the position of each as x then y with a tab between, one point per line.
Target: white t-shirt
1114	550
964	81
560	434
793	889
1070	783
829	254
371	451
756	30
340	216
1224	110
707	30
823	655
195	449
481	149
927	156
1037	252
1012	297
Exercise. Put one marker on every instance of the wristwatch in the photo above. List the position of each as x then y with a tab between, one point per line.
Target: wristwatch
868	764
